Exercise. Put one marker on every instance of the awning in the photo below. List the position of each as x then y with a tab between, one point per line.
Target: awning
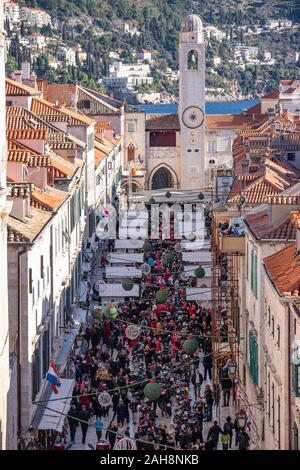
130	244
116	290
200	294
121	272
55	418
125	258
197	257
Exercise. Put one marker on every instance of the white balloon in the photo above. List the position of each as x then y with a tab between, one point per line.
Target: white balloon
125	444
104	399
132	331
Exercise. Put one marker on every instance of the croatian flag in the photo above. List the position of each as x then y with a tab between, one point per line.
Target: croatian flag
53	378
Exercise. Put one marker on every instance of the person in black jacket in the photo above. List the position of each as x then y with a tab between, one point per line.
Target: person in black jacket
84	416
213	434
207	363
73	423
111	434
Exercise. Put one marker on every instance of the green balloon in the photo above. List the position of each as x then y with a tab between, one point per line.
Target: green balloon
127	284
161	296
168	259
147	247
112	312
190	346
201	196
152	391
151	200
168	195
199	272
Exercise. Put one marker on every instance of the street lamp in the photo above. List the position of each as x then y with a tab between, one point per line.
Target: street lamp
242	419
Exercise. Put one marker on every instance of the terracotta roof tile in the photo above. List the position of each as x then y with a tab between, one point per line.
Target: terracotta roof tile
14	88
283	269
271	95
163	122
230	121
259	225
49	110
27	134
47	200
27	231
258	186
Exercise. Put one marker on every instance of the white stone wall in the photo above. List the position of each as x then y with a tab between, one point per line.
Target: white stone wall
255	321
192	93
4	342
137	137
276	369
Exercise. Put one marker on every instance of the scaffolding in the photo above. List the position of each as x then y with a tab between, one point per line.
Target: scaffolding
226	253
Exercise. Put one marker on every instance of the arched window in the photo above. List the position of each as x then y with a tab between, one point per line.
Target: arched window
193	60
130	153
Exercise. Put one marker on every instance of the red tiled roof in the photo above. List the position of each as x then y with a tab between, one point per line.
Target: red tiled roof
255	187
258	223
272	95
231	121
27	134
283	269
47	200
161	122
45	109
14	88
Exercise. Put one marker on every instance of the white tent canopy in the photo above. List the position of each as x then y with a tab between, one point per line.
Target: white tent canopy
197	293
116	290
125	258
129	244
197	257
54	419
121	272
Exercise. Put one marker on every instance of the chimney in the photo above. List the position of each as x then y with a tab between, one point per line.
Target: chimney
245	166
17	76
26	70
295	216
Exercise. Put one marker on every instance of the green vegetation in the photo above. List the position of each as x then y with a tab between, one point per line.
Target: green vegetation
93	24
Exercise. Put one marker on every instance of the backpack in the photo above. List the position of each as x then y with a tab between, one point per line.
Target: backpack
228	427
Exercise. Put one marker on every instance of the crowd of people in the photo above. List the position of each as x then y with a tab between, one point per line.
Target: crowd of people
111	361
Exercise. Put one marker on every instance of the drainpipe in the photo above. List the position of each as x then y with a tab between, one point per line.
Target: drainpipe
19	340
289	379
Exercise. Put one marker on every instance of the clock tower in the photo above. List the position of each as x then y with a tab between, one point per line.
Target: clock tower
192	102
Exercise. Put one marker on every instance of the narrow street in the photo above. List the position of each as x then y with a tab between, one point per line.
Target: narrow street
165	325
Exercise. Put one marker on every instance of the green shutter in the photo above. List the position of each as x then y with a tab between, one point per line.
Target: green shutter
295	380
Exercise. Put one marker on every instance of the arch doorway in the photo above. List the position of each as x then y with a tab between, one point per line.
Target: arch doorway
162	179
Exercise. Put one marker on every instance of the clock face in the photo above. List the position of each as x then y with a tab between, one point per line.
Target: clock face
193	117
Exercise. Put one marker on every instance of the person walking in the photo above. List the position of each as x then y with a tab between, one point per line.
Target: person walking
207	363
111	434
209	400
99	427
243	440
73	423
225	438
197	380
226	384
84	416
228	427
213	433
